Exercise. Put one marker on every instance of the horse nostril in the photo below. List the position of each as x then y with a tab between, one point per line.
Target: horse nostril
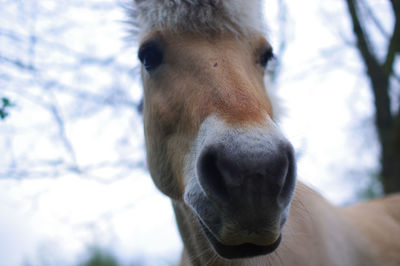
258	177
290	179
210	176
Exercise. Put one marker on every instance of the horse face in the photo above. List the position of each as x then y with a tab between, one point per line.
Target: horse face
211	140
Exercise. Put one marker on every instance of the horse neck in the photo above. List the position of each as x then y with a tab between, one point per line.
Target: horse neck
315	232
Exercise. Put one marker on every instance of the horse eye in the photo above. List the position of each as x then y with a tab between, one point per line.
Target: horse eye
266	56
151	55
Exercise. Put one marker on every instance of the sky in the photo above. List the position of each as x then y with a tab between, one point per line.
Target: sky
53	220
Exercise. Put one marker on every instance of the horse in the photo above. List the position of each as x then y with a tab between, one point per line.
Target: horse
215	149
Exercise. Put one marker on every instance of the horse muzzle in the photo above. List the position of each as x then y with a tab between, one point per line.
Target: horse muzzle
240	184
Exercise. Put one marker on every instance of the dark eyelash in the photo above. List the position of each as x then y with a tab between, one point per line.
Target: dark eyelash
151	55
266	56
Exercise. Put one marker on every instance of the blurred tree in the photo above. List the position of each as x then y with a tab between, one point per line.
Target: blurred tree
4	106
65	66
65	70
382	76
99	257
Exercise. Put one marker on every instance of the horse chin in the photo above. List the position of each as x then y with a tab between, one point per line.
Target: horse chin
246	250
229	239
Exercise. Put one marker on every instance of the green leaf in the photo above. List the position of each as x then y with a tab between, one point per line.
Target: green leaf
3	114
6	102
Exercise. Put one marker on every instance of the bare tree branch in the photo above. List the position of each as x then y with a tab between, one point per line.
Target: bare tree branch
362	38
70	82
379	75
17	63
394	45
380	82
374	19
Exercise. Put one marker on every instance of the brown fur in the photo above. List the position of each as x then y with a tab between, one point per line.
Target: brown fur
317	233
200	76
203	75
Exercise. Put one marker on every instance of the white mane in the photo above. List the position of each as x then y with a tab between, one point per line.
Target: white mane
236	16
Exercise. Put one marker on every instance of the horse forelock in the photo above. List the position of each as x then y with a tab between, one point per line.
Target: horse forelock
200	16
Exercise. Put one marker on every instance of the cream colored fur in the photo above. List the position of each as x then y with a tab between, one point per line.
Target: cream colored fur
316	233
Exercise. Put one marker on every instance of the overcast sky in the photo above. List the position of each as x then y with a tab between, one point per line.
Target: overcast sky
52	220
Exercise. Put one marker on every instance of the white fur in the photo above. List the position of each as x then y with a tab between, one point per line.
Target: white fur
214	130
237	16
257	141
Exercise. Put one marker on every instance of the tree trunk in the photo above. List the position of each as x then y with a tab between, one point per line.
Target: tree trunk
390	160
387	124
